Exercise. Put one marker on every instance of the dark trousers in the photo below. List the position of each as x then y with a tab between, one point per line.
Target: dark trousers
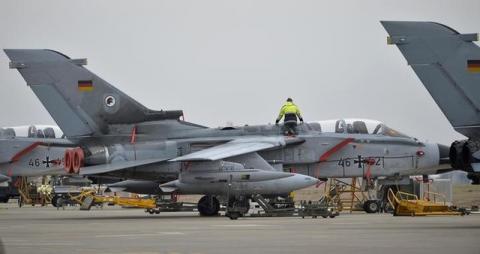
290	123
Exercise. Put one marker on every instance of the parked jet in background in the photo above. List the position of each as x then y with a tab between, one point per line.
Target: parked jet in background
448	64
110	134
31	131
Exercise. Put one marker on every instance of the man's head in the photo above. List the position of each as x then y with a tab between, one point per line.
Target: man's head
289	100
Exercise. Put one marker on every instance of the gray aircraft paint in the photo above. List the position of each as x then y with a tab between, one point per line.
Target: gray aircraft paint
166	146
440	57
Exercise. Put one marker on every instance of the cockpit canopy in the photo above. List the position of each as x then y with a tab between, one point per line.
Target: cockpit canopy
32	131
359	126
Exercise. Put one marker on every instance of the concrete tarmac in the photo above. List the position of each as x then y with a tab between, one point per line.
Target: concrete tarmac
116	230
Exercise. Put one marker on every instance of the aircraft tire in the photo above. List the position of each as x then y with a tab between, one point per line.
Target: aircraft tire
234	215
371	206
208	206
54	200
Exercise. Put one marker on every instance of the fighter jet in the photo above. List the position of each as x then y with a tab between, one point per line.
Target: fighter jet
448	64
32	131
110	134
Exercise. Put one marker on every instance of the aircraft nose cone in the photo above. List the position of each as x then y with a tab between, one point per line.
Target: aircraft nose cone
304	181
444	153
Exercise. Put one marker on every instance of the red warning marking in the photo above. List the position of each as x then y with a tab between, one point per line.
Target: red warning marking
28	149
329	153
133	138
335	149
368	174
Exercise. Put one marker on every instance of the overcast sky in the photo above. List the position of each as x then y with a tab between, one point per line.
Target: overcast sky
237	61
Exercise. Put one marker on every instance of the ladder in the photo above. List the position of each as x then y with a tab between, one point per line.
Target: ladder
347	196
407	204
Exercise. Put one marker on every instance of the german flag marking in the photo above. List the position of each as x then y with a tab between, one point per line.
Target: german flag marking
85	85
473	66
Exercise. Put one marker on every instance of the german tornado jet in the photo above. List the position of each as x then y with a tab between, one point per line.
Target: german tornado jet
448	64
110	134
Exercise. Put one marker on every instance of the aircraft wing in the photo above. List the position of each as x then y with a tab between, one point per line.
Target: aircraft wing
234	148
105	168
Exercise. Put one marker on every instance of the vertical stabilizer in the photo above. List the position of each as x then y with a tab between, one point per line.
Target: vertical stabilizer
79	101
448	64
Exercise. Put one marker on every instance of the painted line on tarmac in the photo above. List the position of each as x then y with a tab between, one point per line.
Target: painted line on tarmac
140	235
34	244
241	225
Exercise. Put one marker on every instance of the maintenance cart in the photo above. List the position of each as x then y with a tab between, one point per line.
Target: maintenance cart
317	208
286	208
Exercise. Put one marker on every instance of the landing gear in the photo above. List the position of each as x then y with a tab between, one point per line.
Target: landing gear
371	206
237	207
55	199
152	211
208	206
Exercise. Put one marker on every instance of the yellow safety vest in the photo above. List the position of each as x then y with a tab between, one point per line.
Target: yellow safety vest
289	108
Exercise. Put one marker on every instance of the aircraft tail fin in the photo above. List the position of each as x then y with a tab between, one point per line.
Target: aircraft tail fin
448	64
80	102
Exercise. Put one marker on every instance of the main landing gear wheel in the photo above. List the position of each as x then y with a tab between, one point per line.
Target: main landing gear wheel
208	206
55	199
371	206
152	210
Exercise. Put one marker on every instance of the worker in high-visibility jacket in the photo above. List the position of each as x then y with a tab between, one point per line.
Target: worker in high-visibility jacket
289	112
